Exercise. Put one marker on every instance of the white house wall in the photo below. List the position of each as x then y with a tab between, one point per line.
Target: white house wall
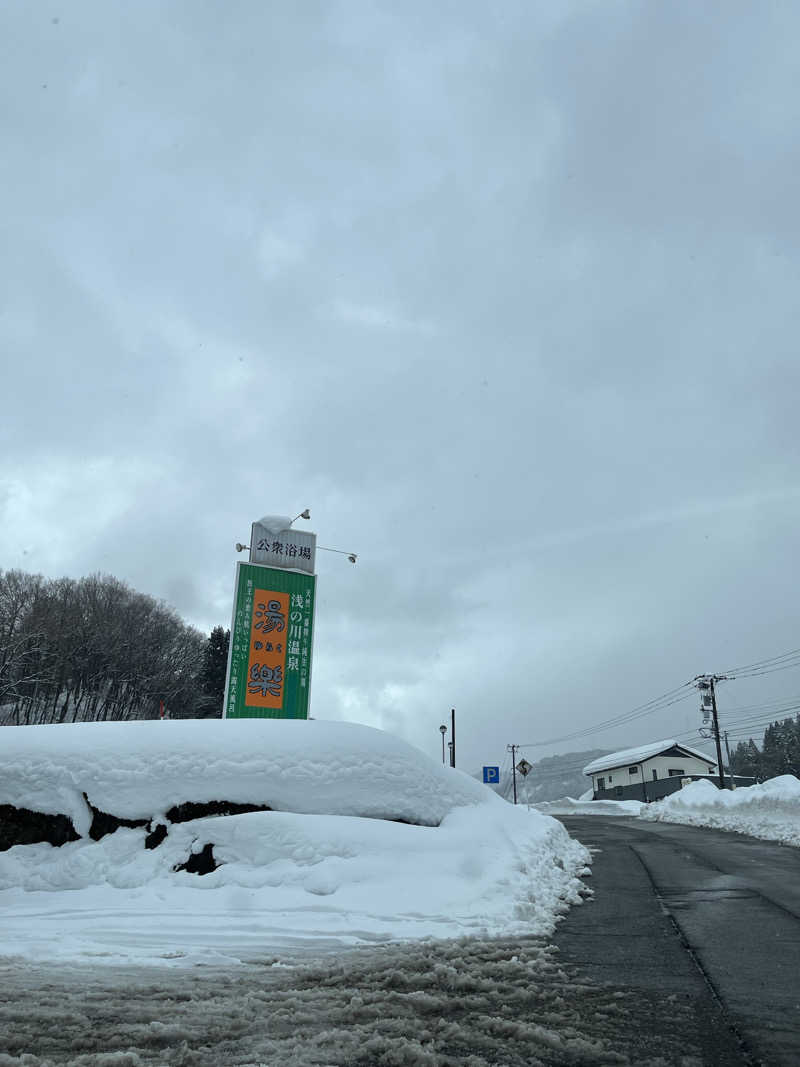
661	764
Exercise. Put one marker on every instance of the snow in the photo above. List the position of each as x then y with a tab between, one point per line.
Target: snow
139	770
770	811
586	806
275	523
325	867
643	752
462	1001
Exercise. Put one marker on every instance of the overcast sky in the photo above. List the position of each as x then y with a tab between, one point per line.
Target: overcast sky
506	293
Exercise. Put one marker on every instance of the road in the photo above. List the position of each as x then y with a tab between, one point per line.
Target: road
697	918
687	955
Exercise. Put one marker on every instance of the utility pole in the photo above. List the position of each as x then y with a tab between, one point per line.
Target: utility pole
707	681
716	730
452	737
513	750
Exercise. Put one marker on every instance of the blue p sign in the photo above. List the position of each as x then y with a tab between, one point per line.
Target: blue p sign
491	775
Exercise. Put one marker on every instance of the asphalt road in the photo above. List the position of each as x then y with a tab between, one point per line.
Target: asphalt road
704	926
687	955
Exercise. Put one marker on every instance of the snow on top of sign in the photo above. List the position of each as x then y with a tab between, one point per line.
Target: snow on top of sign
643	752
138	770
275	523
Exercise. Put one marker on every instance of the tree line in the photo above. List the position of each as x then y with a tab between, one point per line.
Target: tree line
779	752
95	649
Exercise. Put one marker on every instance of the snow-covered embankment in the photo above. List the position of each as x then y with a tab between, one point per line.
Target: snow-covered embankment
770	811
364	838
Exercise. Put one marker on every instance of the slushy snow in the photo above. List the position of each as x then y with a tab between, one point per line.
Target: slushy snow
586	806
369	841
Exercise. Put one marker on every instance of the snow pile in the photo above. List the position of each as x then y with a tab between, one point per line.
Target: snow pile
139	770
586	806
327	868
770	811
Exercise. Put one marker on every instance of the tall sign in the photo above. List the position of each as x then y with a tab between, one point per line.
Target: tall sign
269	661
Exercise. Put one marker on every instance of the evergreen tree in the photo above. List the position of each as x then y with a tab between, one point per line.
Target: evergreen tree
746	760
212	673
781	752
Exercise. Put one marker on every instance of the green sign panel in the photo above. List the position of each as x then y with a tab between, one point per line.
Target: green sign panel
269	664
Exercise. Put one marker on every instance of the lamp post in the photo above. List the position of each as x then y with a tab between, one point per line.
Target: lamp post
443	731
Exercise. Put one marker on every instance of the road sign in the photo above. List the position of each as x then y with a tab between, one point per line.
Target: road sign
491	775
524	767
269	661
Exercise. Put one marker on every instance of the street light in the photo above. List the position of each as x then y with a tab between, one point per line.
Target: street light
443	730
341	551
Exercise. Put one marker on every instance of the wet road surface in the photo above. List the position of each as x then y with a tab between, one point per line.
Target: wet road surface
707	917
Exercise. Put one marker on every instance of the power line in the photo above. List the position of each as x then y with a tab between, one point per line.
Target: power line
652	706
764	662
738	726
785	662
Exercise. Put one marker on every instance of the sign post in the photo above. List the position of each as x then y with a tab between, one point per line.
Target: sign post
269	659
524	769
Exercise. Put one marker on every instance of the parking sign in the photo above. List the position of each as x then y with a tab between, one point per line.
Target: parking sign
491	775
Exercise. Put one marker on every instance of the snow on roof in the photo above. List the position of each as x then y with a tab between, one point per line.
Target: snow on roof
643	752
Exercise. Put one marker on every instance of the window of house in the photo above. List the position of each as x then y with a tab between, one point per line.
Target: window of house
655	775
632	770
601	783
610	779
674	772
710	770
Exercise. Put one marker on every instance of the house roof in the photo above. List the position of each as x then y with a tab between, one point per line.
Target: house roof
643	752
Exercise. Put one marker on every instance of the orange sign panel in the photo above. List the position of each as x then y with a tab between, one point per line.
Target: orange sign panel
266	664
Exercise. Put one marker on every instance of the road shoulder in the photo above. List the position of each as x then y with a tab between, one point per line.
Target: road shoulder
623	938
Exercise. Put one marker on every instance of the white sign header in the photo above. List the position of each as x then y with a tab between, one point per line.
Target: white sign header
289	549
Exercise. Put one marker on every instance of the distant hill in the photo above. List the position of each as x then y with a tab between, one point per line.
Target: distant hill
550	778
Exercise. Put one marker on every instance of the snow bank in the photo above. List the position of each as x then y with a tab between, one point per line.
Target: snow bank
586	806
325	869
770	811
139	770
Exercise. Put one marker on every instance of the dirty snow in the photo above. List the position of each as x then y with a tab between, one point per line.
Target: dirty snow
587	806
328	868
770	811
459	1003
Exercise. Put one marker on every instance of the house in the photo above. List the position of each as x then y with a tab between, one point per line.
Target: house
648	772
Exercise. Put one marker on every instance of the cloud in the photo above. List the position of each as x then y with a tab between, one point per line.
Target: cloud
508	299
378	318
